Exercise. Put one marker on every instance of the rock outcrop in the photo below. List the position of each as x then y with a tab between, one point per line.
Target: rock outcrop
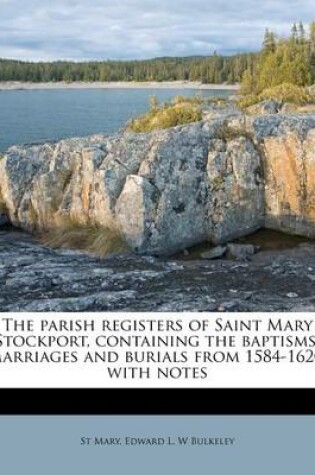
214	181
34	278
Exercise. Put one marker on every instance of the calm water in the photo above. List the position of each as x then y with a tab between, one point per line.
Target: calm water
32	116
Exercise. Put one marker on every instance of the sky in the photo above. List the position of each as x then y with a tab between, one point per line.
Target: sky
137	29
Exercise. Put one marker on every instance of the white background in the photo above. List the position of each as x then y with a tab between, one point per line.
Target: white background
224	375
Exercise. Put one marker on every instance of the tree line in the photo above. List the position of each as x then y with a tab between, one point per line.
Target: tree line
283	61
214	69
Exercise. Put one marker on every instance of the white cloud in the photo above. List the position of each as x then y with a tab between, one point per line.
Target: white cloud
100	29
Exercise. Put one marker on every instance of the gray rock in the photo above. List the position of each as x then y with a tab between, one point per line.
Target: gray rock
292	295
216	181
165	191
269	107
214	253
43	279
242	252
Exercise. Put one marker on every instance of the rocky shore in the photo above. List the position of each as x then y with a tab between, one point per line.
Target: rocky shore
36	278
214	181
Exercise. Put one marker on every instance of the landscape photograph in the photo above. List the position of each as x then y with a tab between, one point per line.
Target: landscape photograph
157	157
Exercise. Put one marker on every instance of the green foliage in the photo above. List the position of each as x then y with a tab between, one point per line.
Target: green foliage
153	103
282	61
294	33
248	84
312	36
269	44
207	69
178	112
187	100
199	100
286	92
248	100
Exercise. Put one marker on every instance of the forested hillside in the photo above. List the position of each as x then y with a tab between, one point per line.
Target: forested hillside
214	69
283	61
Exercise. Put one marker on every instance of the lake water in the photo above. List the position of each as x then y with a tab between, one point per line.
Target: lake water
28	116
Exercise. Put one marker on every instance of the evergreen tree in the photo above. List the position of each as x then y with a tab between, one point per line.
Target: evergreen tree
312	48
248	85
269	43
294	33
301	33
312	37
283	61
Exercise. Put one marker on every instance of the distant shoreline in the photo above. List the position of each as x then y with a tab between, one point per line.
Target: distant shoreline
13	86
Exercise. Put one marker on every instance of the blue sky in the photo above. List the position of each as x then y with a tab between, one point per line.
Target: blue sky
123	29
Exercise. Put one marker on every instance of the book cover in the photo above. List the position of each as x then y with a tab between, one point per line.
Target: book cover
157	225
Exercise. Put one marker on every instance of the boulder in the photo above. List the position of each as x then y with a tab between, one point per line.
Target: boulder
165	191
289	173
215	253
241	252
215	181
266	107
